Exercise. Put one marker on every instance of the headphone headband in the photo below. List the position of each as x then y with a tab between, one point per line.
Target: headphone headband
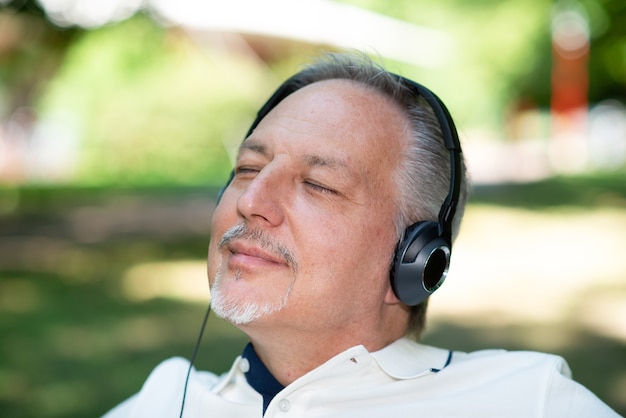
452	143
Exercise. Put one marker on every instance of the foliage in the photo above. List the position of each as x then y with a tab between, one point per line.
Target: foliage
31	50
504	52
154	108
145	102
497	44
607	64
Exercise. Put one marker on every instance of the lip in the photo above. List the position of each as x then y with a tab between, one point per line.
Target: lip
244	254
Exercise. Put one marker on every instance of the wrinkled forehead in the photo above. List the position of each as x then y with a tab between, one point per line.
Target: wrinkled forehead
294	84
343	111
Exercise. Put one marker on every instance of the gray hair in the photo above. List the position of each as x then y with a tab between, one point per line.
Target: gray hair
423	176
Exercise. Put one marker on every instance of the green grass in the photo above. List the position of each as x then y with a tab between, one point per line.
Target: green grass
74	345
583	192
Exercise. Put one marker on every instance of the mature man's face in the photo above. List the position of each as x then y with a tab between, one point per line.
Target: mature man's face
304	235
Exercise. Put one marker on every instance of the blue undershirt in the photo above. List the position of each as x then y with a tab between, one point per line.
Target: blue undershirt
259	377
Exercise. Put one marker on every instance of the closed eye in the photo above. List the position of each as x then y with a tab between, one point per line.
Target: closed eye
245	170
319	188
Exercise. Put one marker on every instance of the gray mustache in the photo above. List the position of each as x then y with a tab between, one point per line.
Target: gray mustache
260	238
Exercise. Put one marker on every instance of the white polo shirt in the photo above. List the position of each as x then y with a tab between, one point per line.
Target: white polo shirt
405	379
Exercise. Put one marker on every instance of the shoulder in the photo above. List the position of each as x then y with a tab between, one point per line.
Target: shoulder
172	374
530	361
162	392
519	369
530	378
174	370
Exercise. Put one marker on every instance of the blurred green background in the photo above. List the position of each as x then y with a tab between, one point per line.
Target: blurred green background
117	127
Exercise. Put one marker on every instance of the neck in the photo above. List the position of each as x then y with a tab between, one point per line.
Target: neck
290	354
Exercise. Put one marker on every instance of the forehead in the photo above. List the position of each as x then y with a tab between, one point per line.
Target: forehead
353	121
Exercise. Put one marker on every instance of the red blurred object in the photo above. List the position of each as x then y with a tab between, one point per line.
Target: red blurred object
570	80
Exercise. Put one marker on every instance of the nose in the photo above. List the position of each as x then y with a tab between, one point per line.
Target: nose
261	199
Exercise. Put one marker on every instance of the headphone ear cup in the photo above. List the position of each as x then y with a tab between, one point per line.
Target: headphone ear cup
421	263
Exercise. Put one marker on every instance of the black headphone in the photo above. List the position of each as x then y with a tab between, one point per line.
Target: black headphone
422	259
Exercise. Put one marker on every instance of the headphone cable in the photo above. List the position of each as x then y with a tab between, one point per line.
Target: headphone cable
193	358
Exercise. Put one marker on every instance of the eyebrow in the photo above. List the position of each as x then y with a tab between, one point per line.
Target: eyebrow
254	146
318	161
311	160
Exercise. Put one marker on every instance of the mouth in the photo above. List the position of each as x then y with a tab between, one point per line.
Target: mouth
251	249
243	255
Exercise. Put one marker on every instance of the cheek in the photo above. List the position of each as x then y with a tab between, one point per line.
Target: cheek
359	250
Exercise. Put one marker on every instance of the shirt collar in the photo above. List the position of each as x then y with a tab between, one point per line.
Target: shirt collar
402	359
406	359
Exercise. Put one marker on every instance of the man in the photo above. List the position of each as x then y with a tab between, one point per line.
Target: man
319	254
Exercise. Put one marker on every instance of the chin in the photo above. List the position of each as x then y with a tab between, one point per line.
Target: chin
241	312
238	304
